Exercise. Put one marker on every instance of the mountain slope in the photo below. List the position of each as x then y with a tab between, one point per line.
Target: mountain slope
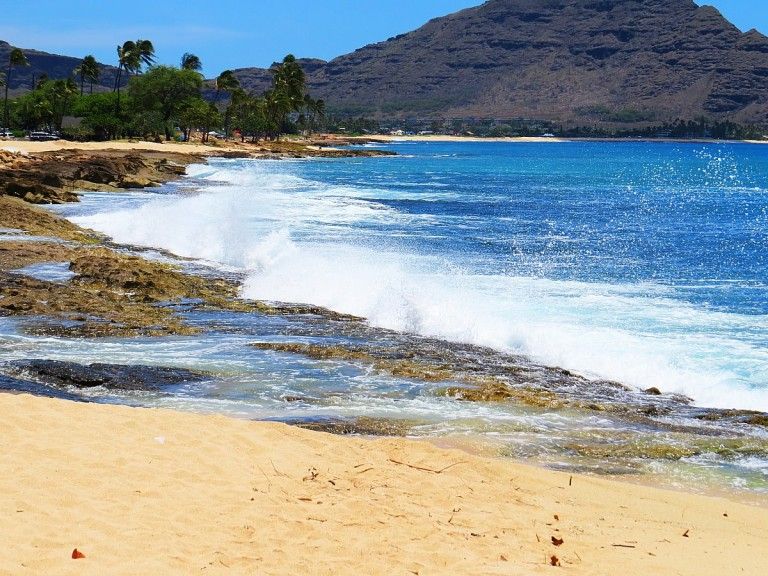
52	65
578	62
574	61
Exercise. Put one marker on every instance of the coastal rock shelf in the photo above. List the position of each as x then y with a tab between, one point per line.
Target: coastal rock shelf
56	176
140	326
109	376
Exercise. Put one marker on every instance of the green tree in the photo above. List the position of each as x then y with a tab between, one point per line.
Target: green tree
314	109
286	94
288	77
197	113
277	105
164	89
98	112
33	110
41	80
131	56
247	114
88	70
16	58
47	105
60	94
191	62
226	82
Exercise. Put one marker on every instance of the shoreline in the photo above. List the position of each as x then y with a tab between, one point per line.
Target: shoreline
540	139
175	492
216	298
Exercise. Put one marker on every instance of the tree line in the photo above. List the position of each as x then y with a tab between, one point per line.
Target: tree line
156	101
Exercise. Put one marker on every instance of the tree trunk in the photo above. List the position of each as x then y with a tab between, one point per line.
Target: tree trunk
7	82
117	77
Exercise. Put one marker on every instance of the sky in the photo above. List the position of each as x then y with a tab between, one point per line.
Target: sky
242	33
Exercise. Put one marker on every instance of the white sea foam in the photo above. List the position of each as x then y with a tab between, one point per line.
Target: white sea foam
299	241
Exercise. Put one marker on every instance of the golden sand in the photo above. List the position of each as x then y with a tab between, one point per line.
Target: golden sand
53	145
143	491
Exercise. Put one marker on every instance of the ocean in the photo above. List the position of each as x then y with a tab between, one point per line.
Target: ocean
640	263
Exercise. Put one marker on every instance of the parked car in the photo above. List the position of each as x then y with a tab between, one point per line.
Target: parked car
43	136
5	133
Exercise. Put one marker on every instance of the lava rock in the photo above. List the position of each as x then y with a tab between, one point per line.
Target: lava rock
110	376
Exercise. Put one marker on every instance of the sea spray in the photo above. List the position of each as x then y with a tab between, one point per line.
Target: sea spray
601	259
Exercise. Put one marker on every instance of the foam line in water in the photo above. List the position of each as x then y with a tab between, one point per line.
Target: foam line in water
303	240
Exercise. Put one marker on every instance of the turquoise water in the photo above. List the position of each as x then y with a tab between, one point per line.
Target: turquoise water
640	263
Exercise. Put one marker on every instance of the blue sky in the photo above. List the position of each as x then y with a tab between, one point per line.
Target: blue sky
240	33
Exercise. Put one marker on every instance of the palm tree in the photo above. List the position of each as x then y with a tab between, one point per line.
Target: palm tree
225	82
287	92
314	109
289	76
88	70
124	54
278	105
16	58
131	55
145	54
191	62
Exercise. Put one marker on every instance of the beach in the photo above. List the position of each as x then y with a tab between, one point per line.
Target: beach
142	491
534	139
29	147
153	490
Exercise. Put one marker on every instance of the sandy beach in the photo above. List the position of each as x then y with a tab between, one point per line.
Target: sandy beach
542	139
29	147
448	138
142	491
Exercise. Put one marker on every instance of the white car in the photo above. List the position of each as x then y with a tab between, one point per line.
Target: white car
43	136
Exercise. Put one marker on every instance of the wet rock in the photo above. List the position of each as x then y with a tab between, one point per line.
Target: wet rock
318	352
758	420
113	294
54	177
398	367
15	213
136	182
22	386
363	426
84	309
751	417
653	391
493	390
110	376
653	449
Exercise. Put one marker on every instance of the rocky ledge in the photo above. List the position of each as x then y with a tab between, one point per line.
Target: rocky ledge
109	376
55	177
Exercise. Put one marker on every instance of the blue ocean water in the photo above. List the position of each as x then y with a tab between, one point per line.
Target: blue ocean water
644	263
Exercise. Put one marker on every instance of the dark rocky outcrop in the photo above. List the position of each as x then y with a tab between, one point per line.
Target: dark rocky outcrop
110	376
54	177
22	386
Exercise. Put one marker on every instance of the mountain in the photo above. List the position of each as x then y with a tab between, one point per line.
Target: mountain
577	62
573	61
53	65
